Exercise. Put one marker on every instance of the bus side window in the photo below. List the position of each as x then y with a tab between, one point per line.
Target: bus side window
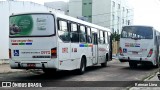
98	37
94	36
101	38
106	38
74	33
89	38
155	37
63	30
82	34
110	44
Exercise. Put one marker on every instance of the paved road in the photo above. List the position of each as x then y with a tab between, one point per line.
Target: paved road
115	71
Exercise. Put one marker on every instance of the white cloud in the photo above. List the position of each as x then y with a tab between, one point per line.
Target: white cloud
146	12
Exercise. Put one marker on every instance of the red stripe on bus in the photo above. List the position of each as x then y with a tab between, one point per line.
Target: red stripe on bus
14	43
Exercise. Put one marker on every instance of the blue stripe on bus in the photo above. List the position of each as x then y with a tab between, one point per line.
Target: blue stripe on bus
28	43
137	46
81	45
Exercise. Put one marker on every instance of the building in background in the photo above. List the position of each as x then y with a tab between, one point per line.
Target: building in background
75	8
8	8
58	5
112	14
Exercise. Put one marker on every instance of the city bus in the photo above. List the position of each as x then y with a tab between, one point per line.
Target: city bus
139	45
52	42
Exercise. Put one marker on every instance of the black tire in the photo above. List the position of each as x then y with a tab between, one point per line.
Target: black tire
82	67
49	71
157	65
121	60
132	64
105	63
158	76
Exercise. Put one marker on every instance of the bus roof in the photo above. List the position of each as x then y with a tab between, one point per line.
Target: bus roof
68	18
139	26
82	22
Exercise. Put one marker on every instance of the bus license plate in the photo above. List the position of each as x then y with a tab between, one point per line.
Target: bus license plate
31	65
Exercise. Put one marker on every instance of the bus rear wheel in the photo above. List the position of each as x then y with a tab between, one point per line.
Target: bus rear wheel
157	63
49	71
82	68
132	64
105	63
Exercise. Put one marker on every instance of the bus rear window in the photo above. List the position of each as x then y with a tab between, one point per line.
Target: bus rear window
31	25
137	32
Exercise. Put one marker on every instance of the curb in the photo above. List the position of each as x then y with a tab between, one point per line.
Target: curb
147	78
4	61
152	75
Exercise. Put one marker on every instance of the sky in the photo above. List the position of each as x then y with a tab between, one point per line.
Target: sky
146	12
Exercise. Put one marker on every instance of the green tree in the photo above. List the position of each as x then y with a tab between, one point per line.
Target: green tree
115	36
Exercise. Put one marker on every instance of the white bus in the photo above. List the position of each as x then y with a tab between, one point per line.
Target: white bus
52	41
139	45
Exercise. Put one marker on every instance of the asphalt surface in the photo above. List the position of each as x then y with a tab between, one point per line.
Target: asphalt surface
115	71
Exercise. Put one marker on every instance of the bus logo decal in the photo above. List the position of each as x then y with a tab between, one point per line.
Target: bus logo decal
16	52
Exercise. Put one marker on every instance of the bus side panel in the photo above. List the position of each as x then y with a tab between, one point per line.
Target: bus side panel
75	54
64	61
89	53
86	51
102	53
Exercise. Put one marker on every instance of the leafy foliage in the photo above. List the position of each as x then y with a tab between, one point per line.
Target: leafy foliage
115	36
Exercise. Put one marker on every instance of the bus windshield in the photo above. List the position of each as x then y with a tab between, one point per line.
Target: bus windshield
31	25
138	32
